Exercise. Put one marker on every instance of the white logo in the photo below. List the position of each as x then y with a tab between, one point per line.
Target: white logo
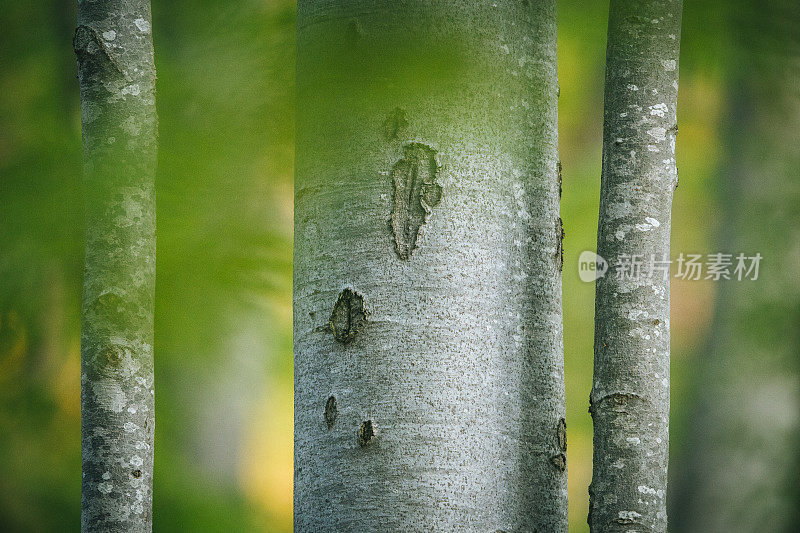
591	266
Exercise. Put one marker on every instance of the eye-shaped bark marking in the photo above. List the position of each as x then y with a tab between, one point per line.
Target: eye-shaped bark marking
331	411
366	433
415	193
348	316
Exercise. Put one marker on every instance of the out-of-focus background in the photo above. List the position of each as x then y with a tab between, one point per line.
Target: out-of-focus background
223	306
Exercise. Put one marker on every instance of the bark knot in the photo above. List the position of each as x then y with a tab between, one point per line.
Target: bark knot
618	400
348	317
331	411
366	433
559	461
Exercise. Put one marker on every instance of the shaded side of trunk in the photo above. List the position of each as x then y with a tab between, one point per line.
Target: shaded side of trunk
117	81
429	387
629	401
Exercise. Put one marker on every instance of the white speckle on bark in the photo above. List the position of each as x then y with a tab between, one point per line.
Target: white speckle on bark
669	64
629	515
109	35
658	110
658	133
106	487
132	89
143	25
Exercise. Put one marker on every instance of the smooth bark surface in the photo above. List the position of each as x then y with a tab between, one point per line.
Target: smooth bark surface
629	401
117	81
429	388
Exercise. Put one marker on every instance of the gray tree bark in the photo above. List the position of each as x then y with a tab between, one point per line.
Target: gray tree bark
429	389
629	401
114	48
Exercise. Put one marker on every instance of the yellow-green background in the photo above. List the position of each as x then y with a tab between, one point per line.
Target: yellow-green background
223	306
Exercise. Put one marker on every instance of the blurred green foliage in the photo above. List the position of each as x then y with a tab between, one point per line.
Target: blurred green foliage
223	306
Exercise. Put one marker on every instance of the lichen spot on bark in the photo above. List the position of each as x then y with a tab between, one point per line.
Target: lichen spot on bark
348	316
559	461
331	411
415	194
366	433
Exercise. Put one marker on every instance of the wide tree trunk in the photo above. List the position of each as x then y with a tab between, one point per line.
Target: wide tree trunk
629	401
117	82
429	389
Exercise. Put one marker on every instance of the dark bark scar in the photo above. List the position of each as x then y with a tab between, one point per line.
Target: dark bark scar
415	194
348	317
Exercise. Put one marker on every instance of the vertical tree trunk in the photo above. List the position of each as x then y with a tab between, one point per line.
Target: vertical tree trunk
630	393
429	388
117	81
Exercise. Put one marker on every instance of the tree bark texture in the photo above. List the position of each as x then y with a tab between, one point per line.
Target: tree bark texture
429	389
629	401
116	71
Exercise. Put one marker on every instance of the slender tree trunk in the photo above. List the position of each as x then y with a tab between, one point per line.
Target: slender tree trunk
117	81
629	401
429	388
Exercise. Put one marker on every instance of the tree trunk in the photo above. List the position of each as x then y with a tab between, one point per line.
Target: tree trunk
429	389
117	82
629	401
